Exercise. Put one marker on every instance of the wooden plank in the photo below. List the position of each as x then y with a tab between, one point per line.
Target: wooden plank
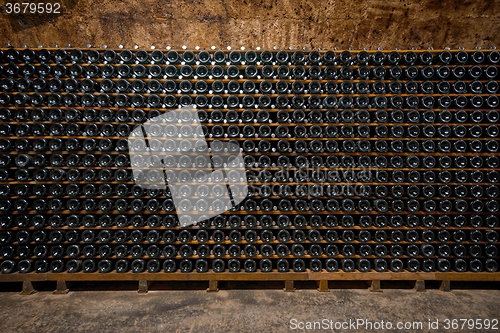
445	285
143	286
27	288
213	286
375	286
372	275
289	286
323	286
255	276
61	288
176	276
420	285
468	276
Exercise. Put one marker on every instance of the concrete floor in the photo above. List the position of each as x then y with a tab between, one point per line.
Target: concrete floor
374	23
236	310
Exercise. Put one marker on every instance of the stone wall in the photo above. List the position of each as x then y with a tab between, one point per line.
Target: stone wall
251	23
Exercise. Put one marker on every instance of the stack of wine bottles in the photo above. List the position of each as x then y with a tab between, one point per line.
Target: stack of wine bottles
355	160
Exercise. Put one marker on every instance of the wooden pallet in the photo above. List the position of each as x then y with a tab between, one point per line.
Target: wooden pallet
322	278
